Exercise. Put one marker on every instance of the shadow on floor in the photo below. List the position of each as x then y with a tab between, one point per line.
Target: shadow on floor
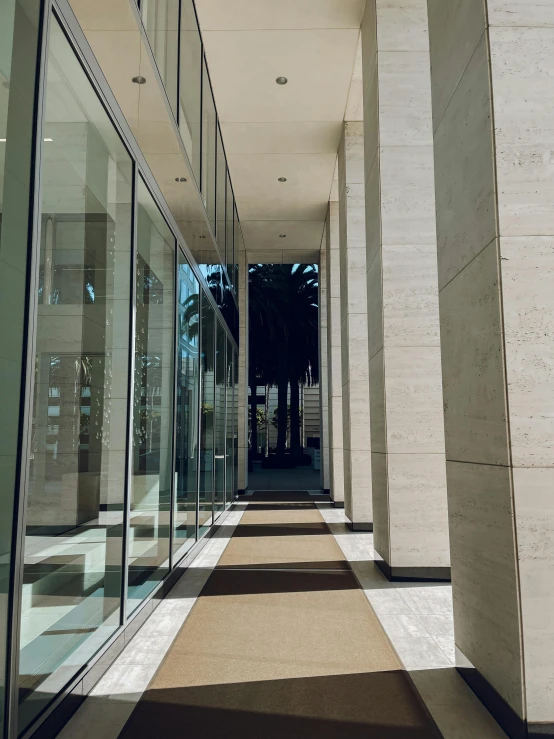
379	705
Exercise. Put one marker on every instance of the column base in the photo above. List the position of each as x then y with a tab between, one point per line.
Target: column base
241	492
514	726
359	526
413	574
337	503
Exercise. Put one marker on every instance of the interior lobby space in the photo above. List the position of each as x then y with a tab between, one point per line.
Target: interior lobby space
276	369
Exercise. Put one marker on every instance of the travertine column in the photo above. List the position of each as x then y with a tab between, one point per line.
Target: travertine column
323	373
353	302
407	427
334	355
493	115
242	260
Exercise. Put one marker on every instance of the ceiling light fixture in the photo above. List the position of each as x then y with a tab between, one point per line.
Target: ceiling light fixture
3	141
49	140
282	179
281	80
282	236
180	179
139	79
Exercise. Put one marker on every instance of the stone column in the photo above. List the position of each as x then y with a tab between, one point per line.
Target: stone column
354	347
492	75
323	373
407	428
334	355
242	405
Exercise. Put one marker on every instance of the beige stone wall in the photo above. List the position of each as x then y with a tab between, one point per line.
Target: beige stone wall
353	310
334	354
493	112
407	432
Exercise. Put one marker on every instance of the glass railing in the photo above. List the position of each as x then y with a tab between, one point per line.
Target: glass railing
176	42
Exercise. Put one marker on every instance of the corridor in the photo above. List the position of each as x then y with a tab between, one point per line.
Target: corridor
270	633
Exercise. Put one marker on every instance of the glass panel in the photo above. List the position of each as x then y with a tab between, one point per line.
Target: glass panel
153	401
191	82
236	421
238	249
161	21
221	196
229	259
209	125
207	415
73	543
18	60
229	403
188	398
220	373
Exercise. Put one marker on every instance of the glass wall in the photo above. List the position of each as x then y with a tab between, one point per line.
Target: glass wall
220	385
229	258
132	416
207	415
19	42
161	21
229	426
174	36
153	400
209	147
73	544
221	176
188	406
236	421
190	93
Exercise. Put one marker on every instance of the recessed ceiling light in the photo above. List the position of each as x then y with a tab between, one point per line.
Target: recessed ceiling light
282	236
48	140
139	79
281	80
282	179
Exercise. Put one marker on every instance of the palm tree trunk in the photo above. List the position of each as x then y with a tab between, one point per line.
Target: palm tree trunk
253	417
282	388
294	419
267	421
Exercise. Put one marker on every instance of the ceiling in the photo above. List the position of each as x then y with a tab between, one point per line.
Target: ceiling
291	130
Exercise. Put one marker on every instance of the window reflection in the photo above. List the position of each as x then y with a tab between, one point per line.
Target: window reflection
209	153
229	424
220	386
73	544
190	85
153	401
188	388
161	21
207	415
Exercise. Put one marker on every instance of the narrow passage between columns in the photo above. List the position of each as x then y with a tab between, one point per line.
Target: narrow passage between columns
281	643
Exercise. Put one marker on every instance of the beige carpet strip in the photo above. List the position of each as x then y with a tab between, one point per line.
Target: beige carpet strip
285	651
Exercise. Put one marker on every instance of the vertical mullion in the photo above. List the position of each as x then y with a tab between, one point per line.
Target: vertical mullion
178	109
130	400
173	486
199	413
27	388
201	142
214	422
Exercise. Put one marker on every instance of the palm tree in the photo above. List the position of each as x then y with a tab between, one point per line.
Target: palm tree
283	338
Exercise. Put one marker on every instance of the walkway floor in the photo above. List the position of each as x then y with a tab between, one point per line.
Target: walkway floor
281	643
299	478
282	640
